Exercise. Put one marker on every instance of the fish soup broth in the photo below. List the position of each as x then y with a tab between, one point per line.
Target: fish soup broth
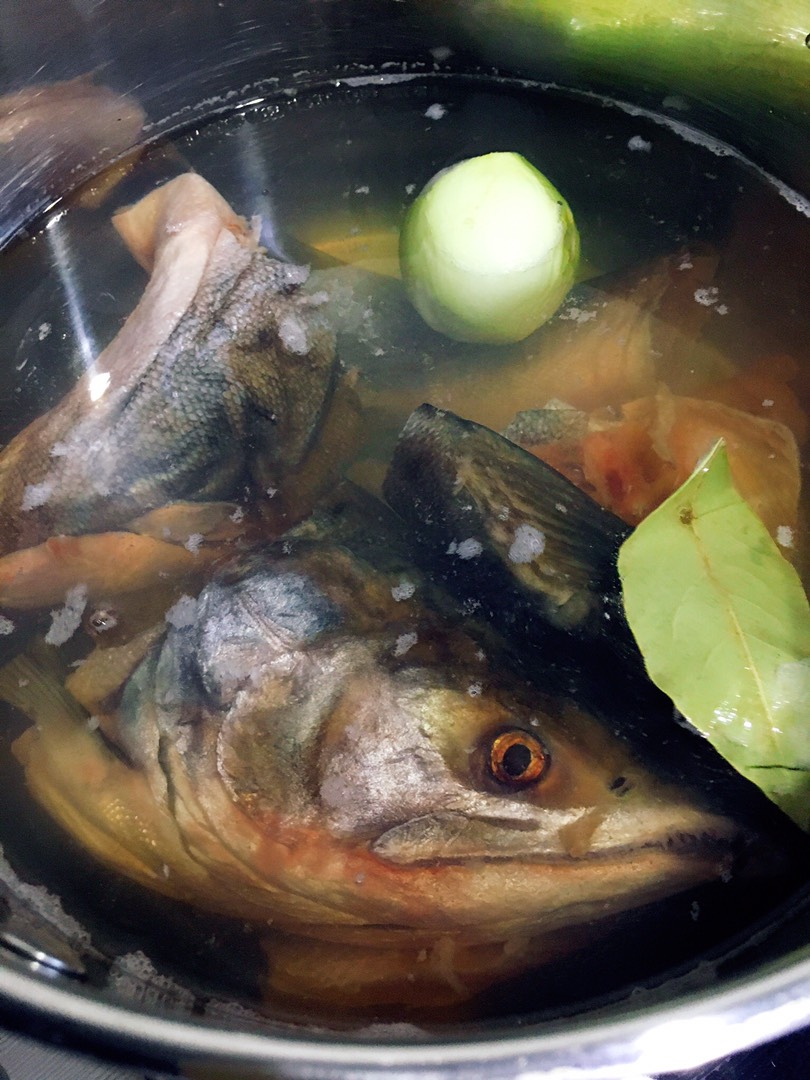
314	753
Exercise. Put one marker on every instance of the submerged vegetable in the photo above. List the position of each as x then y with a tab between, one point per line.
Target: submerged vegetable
489	249
724	626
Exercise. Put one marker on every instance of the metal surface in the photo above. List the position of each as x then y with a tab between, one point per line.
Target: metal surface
184	62
23	1058
661	1036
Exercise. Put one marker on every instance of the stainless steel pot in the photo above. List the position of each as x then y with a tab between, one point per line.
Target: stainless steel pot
185	62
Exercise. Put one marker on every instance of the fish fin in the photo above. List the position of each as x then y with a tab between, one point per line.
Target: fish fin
104	672
178	522
107	564
455	482
106	805
36	691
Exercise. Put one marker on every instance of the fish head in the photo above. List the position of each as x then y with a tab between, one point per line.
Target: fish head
315	746
343	760
523	814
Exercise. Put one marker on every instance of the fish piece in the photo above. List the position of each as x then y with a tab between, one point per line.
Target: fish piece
177	523
529	553
56	135
103	564
474	497
219	379
613	339
319	743
679	431
633	458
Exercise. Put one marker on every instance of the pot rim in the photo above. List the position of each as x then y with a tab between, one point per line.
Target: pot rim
687	1034
698	1026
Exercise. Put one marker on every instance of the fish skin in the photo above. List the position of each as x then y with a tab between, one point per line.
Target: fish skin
455	482
219	378
303	766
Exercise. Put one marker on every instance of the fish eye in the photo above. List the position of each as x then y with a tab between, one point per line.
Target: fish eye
517	758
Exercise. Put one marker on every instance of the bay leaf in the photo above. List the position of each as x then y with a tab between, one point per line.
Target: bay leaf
723	624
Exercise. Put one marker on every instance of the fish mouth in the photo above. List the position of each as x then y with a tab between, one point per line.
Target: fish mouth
451	837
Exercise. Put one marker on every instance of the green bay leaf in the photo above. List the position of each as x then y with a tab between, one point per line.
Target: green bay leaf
723	624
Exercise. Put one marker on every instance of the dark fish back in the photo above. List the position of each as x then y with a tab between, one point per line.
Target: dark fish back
513	537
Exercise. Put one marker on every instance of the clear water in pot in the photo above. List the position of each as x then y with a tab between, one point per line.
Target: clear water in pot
329	172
